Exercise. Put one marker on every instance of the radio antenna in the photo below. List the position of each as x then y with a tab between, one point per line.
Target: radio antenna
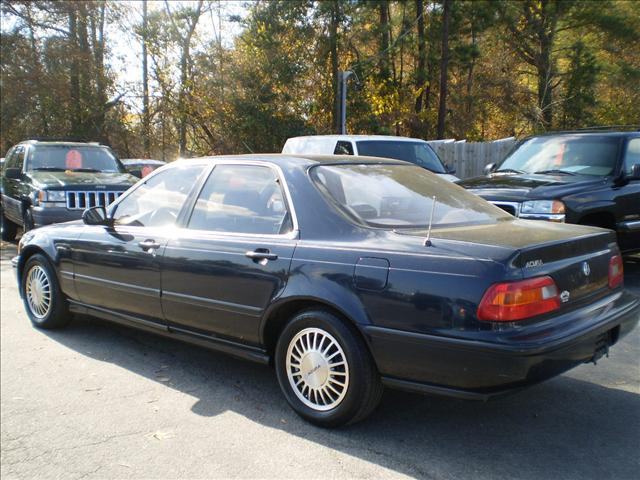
427	242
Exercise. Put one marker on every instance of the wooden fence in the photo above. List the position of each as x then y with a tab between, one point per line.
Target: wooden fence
470	158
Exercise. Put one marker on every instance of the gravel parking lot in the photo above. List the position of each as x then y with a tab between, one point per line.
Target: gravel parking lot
101	401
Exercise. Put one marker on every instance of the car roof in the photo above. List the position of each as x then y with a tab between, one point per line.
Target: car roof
363	137
286	161
151	161
62	143
588	133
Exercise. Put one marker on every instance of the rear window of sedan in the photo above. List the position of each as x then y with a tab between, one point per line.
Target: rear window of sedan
396	196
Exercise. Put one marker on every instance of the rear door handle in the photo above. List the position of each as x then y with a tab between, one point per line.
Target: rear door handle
261	254
149	245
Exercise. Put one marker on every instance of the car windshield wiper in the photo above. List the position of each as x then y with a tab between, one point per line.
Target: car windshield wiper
48	169
90	170
555	170
509	170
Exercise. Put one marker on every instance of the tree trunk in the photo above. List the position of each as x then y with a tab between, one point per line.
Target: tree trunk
544	67
444	65
74	74
145	85
421	73
85	72
333	52
384	62
97	38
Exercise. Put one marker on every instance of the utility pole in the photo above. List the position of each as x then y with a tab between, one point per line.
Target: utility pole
343	76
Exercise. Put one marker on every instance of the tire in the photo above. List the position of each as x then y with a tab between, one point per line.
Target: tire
27	220
39	283
9	229
332	353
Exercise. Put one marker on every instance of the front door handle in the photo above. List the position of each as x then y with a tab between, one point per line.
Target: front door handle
261	255
149	245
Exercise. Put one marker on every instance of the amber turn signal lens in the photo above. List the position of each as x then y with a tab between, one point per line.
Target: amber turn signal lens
513	301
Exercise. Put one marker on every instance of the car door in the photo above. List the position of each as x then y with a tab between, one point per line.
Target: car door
232	258
628	199
14	190
117	267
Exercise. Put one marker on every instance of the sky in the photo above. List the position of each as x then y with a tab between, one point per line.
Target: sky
126	50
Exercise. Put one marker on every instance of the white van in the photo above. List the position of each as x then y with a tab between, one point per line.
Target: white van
411	150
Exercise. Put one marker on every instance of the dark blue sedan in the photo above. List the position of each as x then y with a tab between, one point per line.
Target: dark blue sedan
346	273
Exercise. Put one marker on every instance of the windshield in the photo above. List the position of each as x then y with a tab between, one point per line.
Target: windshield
75	158
415	152
401	196
568	155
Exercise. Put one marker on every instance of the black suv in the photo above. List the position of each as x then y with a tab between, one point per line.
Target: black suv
591	178
51	182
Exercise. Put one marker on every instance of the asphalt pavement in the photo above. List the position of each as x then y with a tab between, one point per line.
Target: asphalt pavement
102	401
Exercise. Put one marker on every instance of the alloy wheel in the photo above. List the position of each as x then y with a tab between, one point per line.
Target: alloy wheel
38	291
317	369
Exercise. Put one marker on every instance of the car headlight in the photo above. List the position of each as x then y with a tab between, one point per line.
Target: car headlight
551	210
49	196
542	206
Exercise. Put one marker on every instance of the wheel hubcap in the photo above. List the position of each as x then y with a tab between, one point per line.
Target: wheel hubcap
317	369
38	291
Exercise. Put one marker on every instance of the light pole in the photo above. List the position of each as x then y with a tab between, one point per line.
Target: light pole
344	76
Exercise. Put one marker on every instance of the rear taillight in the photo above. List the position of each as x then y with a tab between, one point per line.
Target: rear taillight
513	301
616	272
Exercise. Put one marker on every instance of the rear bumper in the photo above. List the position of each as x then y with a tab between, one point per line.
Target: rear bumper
48	215
482	369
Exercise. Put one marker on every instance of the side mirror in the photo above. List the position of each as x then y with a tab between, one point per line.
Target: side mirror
489	168
136	172
96	216
635	171
13	173
449	169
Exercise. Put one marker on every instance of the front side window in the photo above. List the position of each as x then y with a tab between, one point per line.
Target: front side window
17	158
564	155
415	152
632	155
401	196
75	158
242	199
158	201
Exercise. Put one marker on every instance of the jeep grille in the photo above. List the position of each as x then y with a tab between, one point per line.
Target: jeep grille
82	200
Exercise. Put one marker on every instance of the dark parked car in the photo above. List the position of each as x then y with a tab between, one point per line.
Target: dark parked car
50	182
327	268
590	178
141	167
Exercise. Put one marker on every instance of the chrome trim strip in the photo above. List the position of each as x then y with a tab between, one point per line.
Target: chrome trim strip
125	287
551	217
629	226
210	303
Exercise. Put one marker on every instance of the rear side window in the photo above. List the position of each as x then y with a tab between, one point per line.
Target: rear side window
242	199
343	148
632	155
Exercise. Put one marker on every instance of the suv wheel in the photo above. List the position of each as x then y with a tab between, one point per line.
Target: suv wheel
325	370
9	229
45	303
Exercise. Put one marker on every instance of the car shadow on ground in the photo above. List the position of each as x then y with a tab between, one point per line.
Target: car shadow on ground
564	428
